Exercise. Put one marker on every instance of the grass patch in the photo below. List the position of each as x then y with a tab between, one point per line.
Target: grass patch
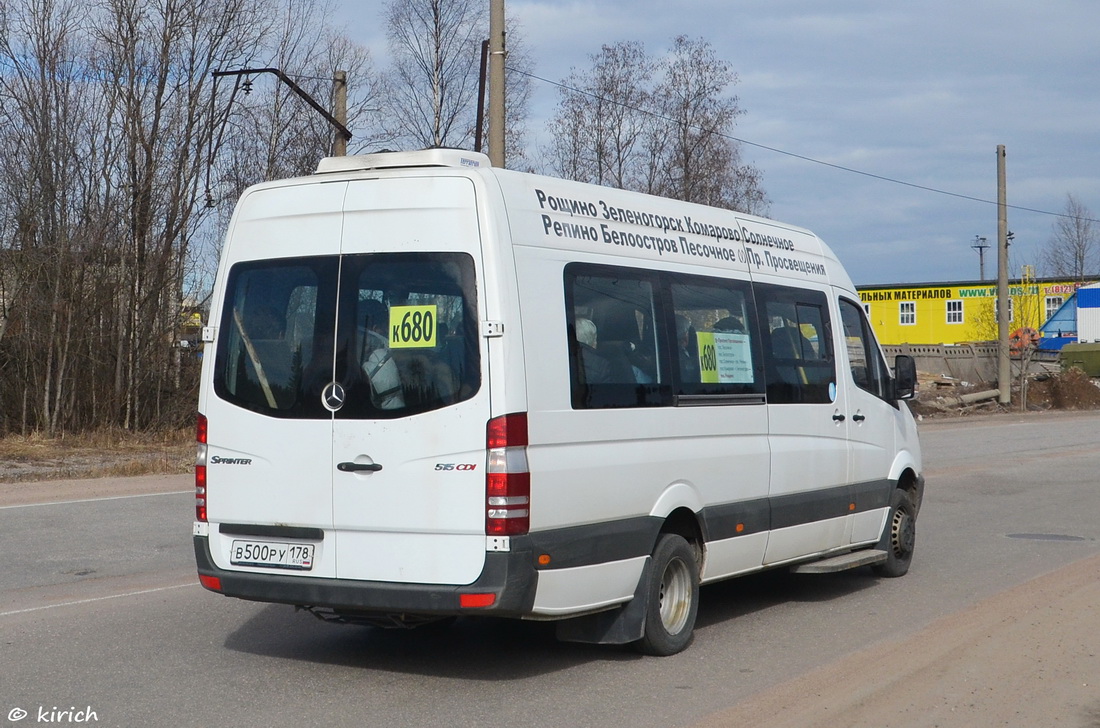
102	453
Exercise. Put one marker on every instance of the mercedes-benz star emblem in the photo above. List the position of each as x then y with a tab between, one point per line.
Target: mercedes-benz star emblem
333	397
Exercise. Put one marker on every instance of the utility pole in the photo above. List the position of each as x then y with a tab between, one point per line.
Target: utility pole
340	111
479	124
1004	379
980	244
342	132
496	82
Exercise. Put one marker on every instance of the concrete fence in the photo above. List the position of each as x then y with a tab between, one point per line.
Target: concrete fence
974	363
968	362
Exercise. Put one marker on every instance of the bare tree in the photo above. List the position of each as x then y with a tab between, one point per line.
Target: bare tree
431	87
517	90
659	126
435	45
701	162
105	131
49	134
1073	246
157	57
270	132
603	118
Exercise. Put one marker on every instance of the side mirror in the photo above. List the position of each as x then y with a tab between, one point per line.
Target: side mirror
905	377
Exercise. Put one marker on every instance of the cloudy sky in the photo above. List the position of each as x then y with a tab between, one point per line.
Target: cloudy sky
919	92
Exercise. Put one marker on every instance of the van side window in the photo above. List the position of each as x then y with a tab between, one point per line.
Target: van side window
613	351
869	371
798	349
715	341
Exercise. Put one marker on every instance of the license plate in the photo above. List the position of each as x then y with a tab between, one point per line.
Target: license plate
274	555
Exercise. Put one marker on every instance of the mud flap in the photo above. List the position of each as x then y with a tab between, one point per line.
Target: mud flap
619	626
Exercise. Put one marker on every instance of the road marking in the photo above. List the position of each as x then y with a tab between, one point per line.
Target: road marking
93	500
97	599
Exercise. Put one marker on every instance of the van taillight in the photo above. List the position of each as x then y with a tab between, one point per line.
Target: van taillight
507	478
200	469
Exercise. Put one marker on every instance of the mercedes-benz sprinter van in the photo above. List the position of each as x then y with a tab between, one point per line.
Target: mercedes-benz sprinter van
434	388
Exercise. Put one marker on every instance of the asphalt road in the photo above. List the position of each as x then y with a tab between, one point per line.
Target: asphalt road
100	611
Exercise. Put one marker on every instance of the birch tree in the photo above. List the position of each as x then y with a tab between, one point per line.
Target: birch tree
604	118
105	135
432	84
658	125
1073	247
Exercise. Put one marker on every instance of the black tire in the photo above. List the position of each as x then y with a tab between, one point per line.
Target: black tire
899	538
672	598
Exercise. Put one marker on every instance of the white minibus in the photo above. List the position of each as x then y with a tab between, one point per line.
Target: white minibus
434	388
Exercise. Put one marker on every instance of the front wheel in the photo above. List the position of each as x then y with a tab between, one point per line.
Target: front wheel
672	598
900	536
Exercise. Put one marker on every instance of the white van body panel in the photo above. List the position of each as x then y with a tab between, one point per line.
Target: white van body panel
867	526
677	495
795	542
587	588
732	556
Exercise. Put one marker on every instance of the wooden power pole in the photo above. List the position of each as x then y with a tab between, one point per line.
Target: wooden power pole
340	111
1004	375
496	82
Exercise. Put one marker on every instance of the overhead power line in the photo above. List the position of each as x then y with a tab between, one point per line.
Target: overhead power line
803	157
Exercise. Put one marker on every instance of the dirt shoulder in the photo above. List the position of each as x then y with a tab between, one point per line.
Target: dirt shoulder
57	491
940	396
1025	657
110	453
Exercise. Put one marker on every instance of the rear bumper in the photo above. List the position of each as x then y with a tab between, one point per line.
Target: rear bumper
510	576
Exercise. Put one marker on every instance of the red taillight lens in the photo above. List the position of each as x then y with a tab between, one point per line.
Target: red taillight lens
507	478
473	601
212	583
508	500
507	431
200	469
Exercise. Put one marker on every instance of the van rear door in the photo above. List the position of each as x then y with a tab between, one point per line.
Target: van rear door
269	484
408	445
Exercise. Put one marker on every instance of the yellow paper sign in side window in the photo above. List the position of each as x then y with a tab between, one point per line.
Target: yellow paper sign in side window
724	358
708	357
413	327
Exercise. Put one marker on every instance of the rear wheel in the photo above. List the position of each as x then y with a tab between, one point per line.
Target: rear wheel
900	537
672	597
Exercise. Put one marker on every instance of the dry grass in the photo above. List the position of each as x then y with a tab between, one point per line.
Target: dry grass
104	453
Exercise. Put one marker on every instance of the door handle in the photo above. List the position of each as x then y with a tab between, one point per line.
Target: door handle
857	417
838	417
358	467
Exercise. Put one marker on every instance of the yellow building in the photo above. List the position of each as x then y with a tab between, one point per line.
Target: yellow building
953	313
